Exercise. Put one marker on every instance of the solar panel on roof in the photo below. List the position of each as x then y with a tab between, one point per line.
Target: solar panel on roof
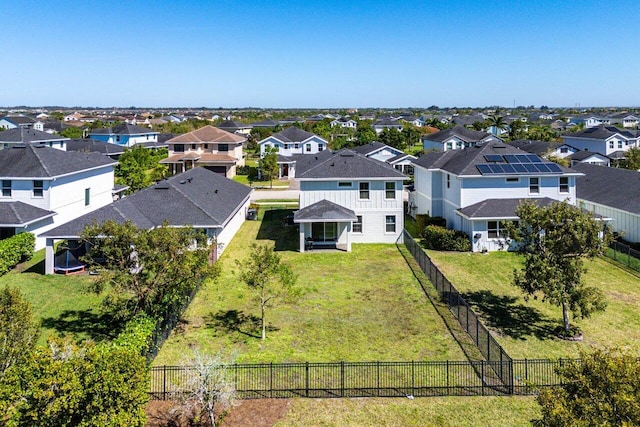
496	168
511	158
484	169
554	168
508	168
533	158
530	167
542	167
493	158
519	168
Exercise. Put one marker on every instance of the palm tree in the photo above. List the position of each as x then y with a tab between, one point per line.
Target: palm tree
498	122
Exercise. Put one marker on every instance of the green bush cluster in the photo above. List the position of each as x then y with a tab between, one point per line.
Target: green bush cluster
16	249
425	220
440	239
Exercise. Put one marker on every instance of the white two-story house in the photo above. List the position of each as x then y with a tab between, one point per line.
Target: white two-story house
477	188
290	143
606	140
210	147
456	138
348	198
43	187
125	134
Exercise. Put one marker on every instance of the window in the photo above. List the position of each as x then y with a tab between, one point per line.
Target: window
390	223
87	196
534	185
344	184
513	179
286	146
389	190
564	150
307	148
223	147
296	146
448	181
38	188
496	230
449	146
206	146
364	190
357	226
611	144
6	188
619	144
564	184
117	138
193	146
178	148
320	147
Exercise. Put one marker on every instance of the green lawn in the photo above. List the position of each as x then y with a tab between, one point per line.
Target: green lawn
525	328
365	305
428	411
279	184
62	303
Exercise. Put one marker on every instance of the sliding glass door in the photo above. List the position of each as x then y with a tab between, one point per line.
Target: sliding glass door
324	231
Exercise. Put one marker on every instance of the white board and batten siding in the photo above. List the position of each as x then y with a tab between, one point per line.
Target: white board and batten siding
623	222
232	226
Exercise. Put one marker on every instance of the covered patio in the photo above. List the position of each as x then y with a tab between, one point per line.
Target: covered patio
325	225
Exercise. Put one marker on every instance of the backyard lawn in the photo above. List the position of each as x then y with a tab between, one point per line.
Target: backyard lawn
525	328
62	303
362	306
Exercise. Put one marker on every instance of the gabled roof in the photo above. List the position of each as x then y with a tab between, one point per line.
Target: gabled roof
305	162
386	122
614	187
348	164
601	132
372	147
123	129
231	124
324	210
208	134
91	145
264	124
585	154
28	135
534	146
465	162
198	197
292	134
461	132
19	214
18	120
37	161
499	208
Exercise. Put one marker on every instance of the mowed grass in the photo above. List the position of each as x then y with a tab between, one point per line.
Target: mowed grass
429	411
525	328
61	303
365	305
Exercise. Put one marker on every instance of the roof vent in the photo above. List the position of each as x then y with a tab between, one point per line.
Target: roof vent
216	191
162	186
190	179
183	182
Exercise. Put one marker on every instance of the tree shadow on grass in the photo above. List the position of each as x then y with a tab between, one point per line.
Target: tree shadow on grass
98	326
236	321
37	268
274	227
514	320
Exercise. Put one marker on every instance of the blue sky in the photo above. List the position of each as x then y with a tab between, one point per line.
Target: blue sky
297	54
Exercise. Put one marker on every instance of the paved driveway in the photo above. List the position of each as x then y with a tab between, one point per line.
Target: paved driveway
262	194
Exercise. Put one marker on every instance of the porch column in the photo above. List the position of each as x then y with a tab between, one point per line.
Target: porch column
349	225
49	256
303	227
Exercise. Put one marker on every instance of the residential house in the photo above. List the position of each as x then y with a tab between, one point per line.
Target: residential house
289	142
345	198
44	187
288	121
268	123
625	119
125	134
606	140
199	198
21	136
544	148
214	149
88	145
477	188
456	138
590	158
344	122
611	193
386	123
234	127
384	153
12	122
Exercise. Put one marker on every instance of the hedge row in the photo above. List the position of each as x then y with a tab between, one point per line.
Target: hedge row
441	239
16	249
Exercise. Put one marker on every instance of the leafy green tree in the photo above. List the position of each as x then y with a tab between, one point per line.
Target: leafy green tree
498	122
479	125
555	240
139	167
18	329
323	129
146	270
268	164
72	132
410	134
269	278
600	389
393	138
516	130
631	159
365	133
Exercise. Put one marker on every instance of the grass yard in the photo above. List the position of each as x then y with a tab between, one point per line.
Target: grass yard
279	184
364	306
525	328
62	303
430	411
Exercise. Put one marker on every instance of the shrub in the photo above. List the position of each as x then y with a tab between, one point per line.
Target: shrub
441	239
16	249
425	220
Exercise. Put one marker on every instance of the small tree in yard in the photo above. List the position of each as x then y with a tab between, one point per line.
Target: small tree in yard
270	279
18	329
269	164
601	389
209	389
555	240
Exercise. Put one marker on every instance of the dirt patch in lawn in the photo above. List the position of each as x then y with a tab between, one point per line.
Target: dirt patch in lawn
249	413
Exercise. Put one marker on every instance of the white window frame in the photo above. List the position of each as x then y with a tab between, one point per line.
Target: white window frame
367	190
388	190
39	189
357	223
387	224
345	184
6	189
563	182
535	186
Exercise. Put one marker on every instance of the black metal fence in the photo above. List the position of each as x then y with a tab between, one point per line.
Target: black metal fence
624	254
365	379
468	319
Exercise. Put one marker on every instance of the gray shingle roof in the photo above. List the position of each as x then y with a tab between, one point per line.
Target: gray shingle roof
292	134
464	162
349	164
28	135
535	147
618	188
499	208
37	161
324	210
264	124
601	132
305	162
369	148
198	197
467	135
91	145
584	154
19	214
19	120
231	125
123	129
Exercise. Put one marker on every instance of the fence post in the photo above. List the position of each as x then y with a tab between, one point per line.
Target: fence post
342	378
482	373
306	379
526	374
413	377
448	376
271	379
378	376
164	382
477	331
